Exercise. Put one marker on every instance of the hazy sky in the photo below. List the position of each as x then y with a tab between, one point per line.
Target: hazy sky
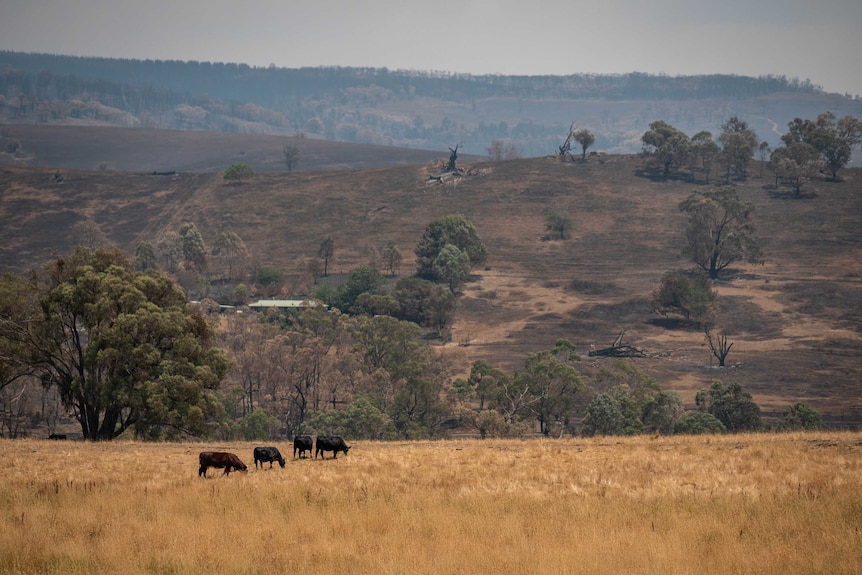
818	40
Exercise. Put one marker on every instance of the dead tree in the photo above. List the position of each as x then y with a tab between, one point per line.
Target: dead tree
618	349
566	148
718	346
452	157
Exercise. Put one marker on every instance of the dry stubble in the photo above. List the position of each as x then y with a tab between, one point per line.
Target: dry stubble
739	504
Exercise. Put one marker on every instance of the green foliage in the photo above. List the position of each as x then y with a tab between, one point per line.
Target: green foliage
832	142
258	425
237	172
668	147
698	423
586	139
738	143
692	297
558	223
452	265
552	384
360	420
268	277
731	405
391	258
122	348
413	295
604	416
454	229
364	279
194	250
795	163
719	231
633	403
801	417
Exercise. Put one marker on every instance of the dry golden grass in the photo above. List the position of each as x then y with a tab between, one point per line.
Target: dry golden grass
734	504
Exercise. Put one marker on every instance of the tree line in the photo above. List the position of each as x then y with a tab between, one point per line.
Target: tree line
126	354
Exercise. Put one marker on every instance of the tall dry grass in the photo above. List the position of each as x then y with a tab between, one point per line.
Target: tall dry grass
736	504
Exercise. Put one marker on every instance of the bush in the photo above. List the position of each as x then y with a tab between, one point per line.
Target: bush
731	405
698	423
238	172
801	417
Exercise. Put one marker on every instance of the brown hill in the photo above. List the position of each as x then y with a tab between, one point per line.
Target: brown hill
91	147
795	320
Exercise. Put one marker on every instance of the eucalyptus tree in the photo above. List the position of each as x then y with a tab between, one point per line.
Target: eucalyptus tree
719	230
738	143
123	348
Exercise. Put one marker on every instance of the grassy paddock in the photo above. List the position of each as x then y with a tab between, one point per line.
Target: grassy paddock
732	504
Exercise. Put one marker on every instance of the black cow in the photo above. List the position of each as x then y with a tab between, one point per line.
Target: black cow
220	459
264	454
302	443
332	443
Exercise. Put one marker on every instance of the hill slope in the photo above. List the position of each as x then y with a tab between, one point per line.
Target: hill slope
796	321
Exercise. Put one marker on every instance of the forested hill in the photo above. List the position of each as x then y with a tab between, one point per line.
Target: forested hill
430	110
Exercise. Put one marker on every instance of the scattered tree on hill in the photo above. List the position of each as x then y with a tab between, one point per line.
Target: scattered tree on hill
667	146
194	250
88	234
291	156
738	143
704	150
731	405
232	247
325	252
503	150
558	223
237	172
586	139
763	152
689	296
453	229
833	142
391	258
794	164
122	348
719	231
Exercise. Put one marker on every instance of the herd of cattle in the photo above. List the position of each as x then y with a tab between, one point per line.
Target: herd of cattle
230	462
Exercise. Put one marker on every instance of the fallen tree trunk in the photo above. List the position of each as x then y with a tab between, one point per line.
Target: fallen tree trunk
618	349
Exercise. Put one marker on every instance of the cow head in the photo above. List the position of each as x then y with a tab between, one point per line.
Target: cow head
281	462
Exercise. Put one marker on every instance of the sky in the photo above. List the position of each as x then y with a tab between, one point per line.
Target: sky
820	41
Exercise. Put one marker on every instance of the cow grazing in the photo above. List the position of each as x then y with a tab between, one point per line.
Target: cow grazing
302	443
219	460
332	443
264	454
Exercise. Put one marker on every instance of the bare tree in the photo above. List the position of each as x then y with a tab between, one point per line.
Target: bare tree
717	345
452	157
566	148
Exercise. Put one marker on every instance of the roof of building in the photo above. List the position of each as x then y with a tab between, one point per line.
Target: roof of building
285	303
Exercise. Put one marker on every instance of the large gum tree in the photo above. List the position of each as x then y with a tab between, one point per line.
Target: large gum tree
719	229
123	348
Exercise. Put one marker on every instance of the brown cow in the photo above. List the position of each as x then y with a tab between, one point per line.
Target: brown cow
220	459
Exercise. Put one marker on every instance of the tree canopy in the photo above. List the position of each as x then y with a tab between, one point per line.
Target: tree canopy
719	231
122	347
453	229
